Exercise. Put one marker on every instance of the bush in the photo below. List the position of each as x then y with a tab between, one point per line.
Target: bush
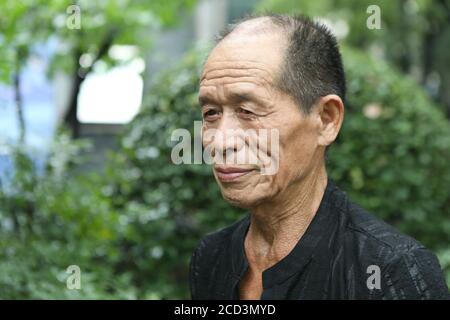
55	219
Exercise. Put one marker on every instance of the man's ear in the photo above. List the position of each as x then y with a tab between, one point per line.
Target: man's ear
330	110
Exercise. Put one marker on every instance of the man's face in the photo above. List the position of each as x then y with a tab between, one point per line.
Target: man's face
238	92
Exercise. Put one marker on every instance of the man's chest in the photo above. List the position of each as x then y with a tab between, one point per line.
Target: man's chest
251	287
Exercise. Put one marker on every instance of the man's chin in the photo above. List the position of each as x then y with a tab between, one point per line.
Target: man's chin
240	199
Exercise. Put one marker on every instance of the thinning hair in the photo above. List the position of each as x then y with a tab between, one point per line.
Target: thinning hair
312	65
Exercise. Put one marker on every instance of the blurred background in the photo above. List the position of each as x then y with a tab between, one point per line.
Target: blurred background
90	92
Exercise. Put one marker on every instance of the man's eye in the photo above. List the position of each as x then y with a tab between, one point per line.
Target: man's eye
245	112
210	113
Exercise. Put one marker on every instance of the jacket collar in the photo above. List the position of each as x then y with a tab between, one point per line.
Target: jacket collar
300	255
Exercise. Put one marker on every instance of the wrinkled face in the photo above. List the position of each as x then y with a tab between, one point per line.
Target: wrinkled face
238	94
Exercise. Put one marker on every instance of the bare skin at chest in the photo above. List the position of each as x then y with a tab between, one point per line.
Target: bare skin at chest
251	286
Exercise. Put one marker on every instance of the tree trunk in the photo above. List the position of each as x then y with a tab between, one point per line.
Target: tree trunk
79	75
18	96
70	119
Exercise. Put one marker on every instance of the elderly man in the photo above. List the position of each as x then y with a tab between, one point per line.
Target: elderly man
303	238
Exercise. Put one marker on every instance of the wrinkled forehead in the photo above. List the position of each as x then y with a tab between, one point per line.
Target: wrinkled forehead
256	54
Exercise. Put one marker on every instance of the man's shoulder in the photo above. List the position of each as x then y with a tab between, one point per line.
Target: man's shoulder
408	268
211	256
376	232
217	241
365	228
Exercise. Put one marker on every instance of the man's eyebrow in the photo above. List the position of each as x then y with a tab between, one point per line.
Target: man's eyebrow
234	97
241	96
245	96
204	99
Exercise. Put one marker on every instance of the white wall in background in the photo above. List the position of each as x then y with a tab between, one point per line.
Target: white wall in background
113	96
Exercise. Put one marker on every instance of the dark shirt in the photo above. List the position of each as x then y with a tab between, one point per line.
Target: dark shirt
334	259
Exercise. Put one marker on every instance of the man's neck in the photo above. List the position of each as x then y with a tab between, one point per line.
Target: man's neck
276	227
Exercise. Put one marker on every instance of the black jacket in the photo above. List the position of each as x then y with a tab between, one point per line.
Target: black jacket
340	256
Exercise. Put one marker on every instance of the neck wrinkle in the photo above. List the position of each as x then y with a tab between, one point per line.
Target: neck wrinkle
277	227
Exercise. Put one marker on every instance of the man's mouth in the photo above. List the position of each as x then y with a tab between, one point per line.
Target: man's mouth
228	174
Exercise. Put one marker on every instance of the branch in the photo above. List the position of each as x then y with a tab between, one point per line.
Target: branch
20	56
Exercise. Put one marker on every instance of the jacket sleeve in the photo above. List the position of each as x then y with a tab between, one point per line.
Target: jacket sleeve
415	274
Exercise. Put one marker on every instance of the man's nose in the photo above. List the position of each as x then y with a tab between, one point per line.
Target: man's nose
227	140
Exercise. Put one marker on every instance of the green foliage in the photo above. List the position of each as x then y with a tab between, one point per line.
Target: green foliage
26	23
52	221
